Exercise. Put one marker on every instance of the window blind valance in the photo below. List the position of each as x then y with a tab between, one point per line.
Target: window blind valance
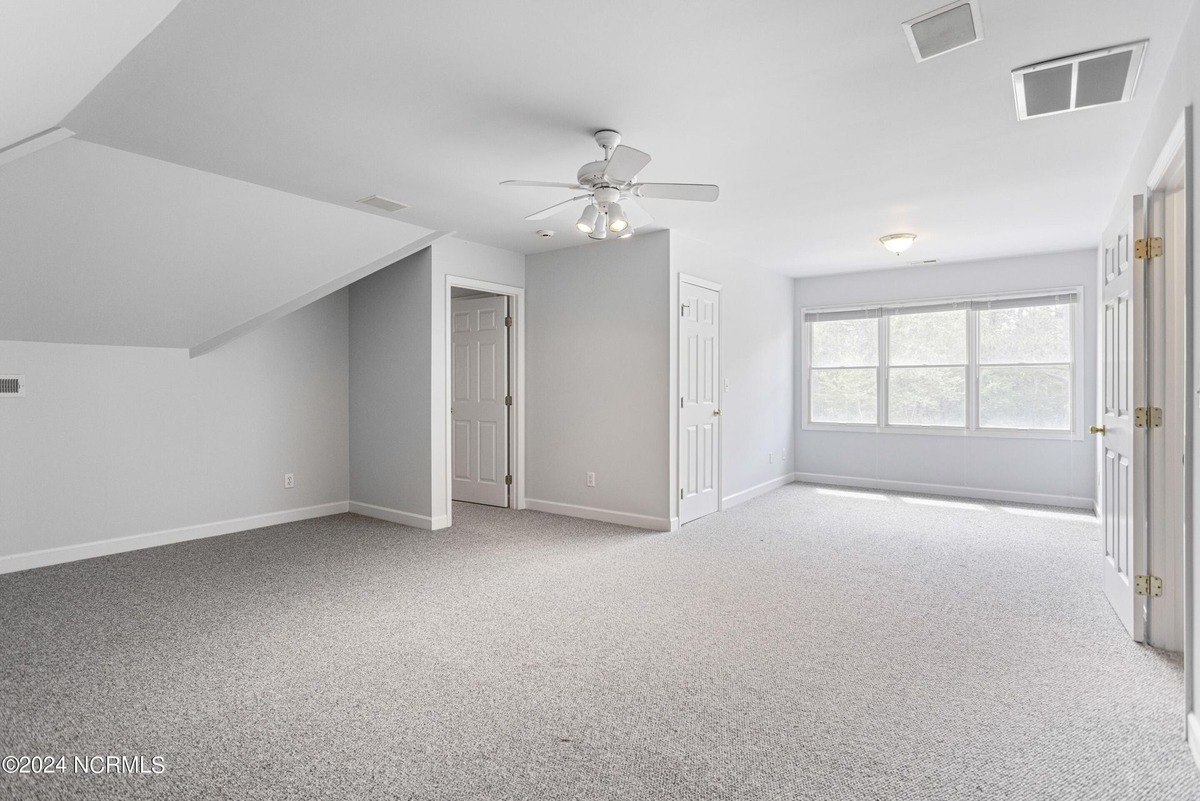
975	304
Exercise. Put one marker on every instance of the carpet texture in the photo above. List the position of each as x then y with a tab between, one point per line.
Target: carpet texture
812	643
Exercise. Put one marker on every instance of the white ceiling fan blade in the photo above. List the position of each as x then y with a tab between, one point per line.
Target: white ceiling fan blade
553	184
703	192
638	217
625	163
552	210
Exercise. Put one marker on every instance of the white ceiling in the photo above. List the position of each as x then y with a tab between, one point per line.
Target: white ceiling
53	53
813	117
106	247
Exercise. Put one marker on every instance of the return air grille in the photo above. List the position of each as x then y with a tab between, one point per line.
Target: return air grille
382	203
12	386
944	29
1095	78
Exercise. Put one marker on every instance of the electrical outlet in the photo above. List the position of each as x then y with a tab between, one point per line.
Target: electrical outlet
771	457
591	479
289	480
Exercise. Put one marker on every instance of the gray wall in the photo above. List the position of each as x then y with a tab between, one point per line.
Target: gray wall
756	362
398	402
390	372
1058	471
117	442
597	377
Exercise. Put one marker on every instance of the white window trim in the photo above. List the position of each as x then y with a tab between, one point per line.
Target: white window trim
972	428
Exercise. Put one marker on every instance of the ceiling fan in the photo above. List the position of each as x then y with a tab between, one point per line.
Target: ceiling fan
611	190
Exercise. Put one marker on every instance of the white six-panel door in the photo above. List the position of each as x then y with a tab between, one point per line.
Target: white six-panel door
699	404
1122	466
479	365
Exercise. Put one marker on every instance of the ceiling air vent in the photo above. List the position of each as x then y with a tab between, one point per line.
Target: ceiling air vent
12	386
944	29
382	203
1095	78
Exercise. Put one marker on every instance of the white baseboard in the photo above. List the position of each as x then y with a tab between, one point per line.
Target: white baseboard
603	515
89	550
730	501
950	490
397	516
1193	736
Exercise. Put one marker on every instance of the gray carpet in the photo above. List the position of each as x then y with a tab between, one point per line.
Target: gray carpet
807	644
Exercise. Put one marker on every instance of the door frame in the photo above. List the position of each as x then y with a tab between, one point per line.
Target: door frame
1179	143
703	283
1170	167
516	372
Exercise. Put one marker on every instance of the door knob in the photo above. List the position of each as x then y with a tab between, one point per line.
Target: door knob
716	411
1097	430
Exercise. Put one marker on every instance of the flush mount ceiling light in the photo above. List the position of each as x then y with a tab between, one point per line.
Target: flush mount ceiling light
944	29
1094	78
898	243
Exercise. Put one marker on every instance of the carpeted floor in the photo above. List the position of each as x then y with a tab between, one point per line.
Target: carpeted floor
812	643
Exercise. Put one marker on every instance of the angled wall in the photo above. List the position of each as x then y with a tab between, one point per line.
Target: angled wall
118	448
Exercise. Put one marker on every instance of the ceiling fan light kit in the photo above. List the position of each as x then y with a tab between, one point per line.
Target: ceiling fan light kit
611	189
587	220
898	243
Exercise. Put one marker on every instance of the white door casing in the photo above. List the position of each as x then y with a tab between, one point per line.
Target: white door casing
1123	456
700	398
479	388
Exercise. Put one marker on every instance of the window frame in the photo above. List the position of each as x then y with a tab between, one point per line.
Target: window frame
971	427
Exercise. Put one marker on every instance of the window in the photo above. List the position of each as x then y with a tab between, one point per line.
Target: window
998	364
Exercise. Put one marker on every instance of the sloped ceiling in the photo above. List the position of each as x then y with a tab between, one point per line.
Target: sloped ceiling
101	246
52	53
821	129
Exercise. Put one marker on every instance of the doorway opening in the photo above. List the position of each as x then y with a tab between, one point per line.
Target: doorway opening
485	390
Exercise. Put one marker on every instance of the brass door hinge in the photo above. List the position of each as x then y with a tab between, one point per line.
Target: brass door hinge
508	479
1148	585
508	400
1147	417
1148	248
508	321
681	493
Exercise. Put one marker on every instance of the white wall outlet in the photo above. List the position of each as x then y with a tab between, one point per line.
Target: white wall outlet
591	479
771	457
289	480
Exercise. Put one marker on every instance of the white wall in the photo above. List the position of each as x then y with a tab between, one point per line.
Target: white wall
115	442
597	379
389	392
757	409
1035	470
1181	88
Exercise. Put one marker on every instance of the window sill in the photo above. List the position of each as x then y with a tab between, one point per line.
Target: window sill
939	431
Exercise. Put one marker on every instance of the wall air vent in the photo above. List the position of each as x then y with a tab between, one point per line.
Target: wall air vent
12	386
944	29
382	203
1095	78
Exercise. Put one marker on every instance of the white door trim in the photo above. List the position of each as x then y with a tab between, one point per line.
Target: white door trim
516	413
703	283
1179	144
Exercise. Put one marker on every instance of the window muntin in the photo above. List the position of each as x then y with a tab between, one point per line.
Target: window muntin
998	364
